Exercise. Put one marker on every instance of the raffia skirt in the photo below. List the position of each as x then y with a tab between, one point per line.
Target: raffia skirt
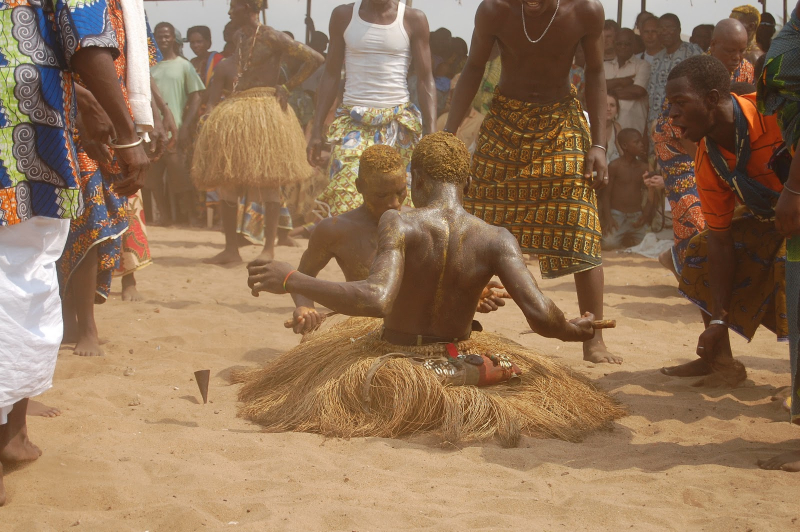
248	140
347	382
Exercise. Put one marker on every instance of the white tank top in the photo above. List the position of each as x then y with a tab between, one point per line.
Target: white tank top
377	58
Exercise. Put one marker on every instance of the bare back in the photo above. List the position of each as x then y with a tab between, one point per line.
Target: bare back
448	262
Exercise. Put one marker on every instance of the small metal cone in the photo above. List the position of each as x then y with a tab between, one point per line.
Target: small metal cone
202	377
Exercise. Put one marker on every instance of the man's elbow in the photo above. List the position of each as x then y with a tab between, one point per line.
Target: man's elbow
377	303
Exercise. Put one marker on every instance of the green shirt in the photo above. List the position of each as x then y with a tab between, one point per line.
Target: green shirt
176	79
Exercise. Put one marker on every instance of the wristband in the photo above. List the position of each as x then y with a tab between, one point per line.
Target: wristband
717	322
599	146
112	144
790	190
287	279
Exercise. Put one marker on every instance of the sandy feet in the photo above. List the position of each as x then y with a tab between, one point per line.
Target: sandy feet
35	408
130	293
88	345
227	256
19	449
785	462
266	255
695	368
286	240
597	352
722	372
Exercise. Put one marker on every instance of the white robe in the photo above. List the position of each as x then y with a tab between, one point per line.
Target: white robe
31	327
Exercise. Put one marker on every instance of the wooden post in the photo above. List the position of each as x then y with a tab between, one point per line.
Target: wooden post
619	13
308	16
409	2
785	11
644	6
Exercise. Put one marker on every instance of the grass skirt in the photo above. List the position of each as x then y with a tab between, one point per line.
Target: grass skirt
319	386
248	140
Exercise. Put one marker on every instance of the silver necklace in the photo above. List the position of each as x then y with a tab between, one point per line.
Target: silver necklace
525	27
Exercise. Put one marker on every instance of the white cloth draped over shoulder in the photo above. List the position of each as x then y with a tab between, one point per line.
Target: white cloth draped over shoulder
31	327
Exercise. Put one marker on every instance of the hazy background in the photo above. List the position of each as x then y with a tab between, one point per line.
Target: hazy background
457	16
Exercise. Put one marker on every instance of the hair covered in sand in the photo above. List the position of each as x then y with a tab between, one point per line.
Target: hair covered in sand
379	160
443	157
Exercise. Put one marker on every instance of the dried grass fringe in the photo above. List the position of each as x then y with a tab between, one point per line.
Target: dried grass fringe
249	140
317	387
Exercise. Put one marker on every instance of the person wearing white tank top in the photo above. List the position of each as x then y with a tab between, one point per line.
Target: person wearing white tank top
375	42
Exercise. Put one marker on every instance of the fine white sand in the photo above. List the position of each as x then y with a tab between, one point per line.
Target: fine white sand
140	452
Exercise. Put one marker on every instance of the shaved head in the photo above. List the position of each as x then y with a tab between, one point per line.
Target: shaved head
729	28
729	43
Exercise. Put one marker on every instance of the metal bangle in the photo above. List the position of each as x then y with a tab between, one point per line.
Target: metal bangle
599	146
717	322
113	144
792	191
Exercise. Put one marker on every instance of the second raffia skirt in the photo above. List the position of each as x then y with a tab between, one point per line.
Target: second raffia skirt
249	140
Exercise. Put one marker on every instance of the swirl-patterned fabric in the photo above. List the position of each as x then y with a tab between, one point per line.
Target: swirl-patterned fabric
38	160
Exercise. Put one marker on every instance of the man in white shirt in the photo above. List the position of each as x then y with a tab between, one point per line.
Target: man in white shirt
627	77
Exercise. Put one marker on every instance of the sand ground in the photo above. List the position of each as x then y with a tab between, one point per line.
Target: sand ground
136	450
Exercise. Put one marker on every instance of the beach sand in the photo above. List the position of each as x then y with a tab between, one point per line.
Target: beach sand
135	449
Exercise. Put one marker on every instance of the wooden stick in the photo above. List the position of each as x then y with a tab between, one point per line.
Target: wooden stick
597	324
290	322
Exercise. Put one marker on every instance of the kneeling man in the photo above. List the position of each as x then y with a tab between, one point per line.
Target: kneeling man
431	268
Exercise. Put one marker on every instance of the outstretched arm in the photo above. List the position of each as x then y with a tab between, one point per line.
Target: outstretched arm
421	54
373	297
543	316
482	42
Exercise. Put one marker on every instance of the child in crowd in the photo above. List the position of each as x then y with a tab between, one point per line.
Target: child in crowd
623	219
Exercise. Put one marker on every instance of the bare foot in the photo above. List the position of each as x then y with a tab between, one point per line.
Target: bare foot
35	408
89	346
19	449
266	255
130	293
725	373
786	462
597	352
695	368
286	240
227	256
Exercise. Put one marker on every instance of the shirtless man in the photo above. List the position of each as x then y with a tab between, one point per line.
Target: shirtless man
624	222
352	238
535	143
249	146
432	264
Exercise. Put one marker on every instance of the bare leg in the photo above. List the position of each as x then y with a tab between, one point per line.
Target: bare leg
695	368
70	317
231	252
589	285
665	259
35	408
129	291
272	211
285	228
84	284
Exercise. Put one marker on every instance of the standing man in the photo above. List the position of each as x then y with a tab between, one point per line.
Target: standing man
627	78
375	41
536	165
39	186
652	43
675	51
251	144
729	44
